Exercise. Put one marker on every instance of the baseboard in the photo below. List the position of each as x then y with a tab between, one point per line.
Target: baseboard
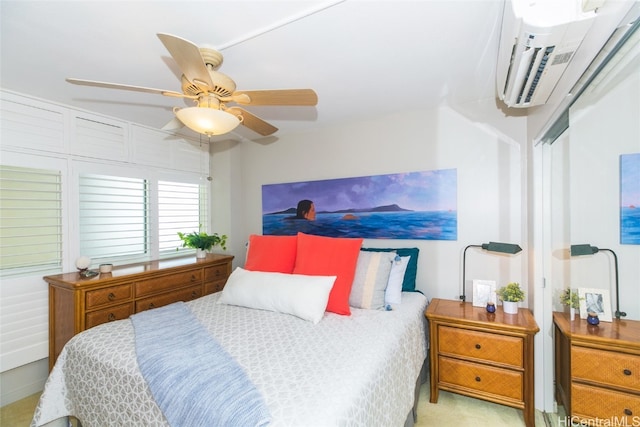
23	381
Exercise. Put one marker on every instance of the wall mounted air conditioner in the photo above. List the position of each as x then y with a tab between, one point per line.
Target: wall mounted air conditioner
537	43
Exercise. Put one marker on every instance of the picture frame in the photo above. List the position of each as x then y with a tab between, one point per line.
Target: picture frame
484	291
597	301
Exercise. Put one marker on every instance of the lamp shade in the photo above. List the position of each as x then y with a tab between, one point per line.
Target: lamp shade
208	121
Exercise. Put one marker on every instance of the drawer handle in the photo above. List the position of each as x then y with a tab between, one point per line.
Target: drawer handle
478	379
111	317
218	273
628	411
193	277
627	371
194	294
152	305
478	346
111	296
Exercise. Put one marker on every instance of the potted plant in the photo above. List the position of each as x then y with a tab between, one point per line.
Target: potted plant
202	241
510	296
570	298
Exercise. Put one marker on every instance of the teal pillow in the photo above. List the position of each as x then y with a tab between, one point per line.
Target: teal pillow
409	282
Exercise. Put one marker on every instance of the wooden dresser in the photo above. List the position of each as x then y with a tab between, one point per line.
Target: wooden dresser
598	370
77	303
484	355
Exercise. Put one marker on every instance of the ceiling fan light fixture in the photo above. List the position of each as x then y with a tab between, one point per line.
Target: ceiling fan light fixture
208	121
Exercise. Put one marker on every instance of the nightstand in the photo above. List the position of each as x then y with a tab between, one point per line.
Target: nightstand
598	370
484	355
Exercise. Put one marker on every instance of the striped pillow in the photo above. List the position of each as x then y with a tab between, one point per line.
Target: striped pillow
370	280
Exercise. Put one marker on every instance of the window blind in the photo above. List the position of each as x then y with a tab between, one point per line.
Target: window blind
114	218
181	207
30	221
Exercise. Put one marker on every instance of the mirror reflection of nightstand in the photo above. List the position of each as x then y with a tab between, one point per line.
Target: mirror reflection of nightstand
597	370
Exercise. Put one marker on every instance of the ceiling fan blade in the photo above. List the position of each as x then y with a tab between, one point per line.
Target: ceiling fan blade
128	87
252	121
187	56
276	97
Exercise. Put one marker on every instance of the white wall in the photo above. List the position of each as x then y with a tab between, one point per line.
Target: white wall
490	173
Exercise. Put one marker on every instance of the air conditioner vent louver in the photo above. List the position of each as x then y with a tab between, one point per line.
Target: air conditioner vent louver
532	58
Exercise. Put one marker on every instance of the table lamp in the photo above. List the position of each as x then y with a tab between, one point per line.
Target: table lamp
587	249
505	248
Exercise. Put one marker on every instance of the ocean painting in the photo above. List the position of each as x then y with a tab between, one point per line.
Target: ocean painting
630	199
412	205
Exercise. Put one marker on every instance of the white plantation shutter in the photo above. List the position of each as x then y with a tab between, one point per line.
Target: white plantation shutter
114	218
30	221
181	207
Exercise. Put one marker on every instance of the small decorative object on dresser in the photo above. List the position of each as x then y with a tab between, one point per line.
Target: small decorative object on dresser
597	371
595	301
570	298
77	304
202	242
483	355
510	296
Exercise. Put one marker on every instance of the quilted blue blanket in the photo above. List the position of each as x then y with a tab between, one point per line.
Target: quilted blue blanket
194	381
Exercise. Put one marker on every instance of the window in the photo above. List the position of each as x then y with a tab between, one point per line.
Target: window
181	207
114	218
30	221
122	218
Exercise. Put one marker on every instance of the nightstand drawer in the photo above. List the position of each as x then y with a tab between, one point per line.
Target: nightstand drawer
484	346
604	367
496	381
186	294
163	283
106	296
110	314
605	405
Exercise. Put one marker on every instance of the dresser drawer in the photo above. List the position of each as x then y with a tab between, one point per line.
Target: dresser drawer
106	296
186	294
164	283
605	367
213	287
475	376
216	273
605	405
481	346
110	314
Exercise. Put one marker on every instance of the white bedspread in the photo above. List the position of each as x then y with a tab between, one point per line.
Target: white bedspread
358	370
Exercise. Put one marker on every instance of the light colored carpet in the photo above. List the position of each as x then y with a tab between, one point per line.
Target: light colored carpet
451	410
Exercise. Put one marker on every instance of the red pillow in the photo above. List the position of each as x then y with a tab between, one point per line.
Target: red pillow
330	256
275	254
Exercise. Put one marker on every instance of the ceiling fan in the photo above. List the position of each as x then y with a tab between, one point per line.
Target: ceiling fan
212	91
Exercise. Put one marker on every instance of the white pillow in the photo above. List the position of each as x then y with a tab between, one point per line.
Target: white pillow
296	294
393	293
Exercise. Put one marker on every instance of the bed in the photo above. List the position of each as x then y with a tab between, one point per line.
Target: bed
331	369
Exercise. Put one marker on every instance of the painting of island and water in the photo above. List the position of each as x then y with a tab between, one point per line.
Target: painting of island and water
630	199
413	205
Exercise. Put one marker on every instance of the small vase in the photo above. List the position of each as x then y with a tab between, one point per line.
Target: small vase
572	313
510	307
201	253
592	319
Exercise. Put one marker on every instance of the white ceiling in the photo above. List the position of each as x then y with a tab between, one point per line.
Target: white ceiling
364	59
